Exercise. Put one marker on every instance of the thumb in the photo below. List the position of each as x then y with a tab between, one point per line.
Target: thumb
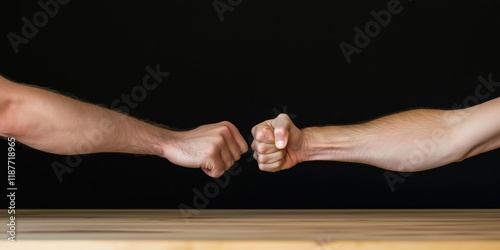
281	126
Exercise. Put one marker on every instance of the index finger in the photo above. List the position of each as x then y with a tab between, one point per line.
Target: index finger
263	133
242	143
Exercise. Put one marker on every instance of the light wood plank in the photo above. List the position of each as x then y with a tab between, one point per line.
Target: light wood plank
257	229
245	245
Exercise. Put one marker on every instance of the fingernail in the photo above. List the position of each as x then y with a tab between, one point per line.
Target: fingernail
280	144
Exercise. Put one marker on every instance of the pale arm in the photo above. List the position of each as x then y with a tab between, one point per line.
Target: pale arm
408	141
480	131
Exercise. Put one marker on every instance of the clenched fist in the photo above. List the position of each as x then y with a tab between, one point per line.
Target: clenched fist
278	144
212	147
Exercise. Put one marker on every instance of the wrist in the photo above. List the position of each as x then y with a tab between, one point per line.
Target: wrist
164	142
326	144
146	138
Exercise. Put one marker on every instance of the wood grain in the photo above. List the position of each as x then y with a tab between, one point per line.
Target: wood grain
258	229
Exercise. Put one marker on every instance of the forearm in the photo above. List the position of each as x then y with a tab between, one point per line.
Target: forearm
58	124
409	141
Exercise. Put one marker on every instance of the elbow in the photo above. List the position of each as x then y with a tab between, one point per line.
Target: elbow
460	148
445	147
458	142
462	155
9	109
464	150
5	124
7	119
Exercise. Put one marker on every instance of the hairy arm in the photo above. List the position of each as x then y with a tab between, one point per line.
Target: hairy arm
55	123
408	141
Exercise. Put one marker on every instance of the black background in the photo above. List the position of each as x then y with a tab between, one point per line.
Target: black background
264	57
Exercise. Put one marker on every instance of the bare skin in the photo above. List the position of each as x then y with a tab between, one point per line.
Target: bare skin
408	141
58	124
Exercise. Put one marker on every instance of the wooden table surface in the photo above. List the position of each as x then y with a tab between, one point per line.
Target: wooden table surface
256	229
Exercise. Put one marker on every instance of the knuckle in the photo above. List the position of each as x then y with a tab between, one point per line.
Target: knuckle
262	158
218	142
236	158
261	148
262	167
254	143
266	167
284	116
226	123
217	174
260	135
224	130
253	130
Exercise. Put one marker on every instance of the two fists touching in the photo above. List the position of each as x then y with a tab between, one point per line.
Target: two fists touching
54	123
216	147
